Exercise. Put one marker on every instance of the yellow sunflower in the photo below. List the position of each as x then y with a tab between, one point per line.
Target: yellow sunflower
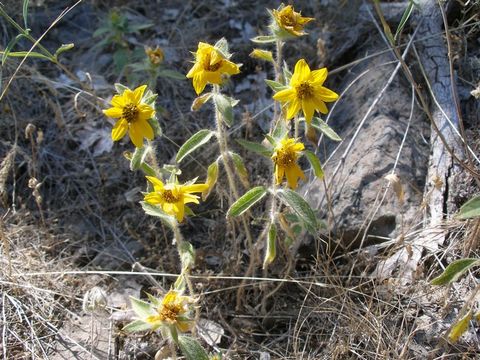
172	197
209	68
132	115
174	310
290	21
285	157
305	92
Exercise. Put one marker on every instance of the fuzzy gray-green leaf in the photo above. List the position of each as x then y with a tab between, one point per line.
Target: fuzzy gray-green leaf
246	201
315	163
191	348
470	209
321	125
300	207
453	271
196	140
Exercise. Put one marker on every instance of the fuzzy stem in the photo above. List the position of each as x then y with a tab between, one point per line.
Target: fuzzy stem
153	157
185	270
277	68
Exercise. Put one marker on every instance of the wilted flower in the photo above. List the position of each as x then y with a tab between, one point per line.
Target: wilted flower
210	66
305	92
172	196
155	56
285	157
133	116
288	22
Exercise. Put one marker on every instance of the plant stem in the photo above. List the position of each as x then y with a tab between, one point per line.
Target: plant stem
185	270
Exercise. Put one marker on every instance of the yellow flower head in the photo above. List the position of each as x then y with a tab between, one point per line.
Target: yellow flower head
175	311
132	116
155	56
172	197
305	92
210	66
285	157
289	22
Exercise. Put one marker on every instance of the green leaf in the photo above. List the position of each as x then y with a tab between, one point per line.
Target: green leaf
222	46
100	31
453	271
9	47
120	88
32	54
287	74
133	28
255	147
264	39
315	163
157	212
275	85
187	255
196	140
149	98
240	167
157	130
154	300
120	59
300	207
25	13
404	19
171	74
224	105
63	48
280	130
460	327
271	251
321	125
191	348
137	325
141	308
470	209
138	158
246	201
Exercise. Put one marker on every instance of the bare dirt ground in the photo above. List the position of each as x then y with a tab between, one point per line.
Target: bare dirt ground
71	219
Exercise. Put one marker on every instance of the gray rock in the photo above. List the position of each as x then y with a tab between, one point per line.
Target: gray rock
359	184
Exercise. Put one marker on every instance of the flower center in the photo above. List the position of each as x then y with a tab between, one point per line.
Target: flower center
210	67
169	197
285	158
304	90
287	20
169	312
130	112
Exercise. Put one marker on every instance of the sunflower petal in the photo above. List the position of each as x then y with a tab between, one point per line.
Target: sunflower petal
145	129
119	129
320	106
194	188
319	76
113	112
293	108
138	93
285	95
327	95
301	73
199	81
136	134
308	107
118	101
